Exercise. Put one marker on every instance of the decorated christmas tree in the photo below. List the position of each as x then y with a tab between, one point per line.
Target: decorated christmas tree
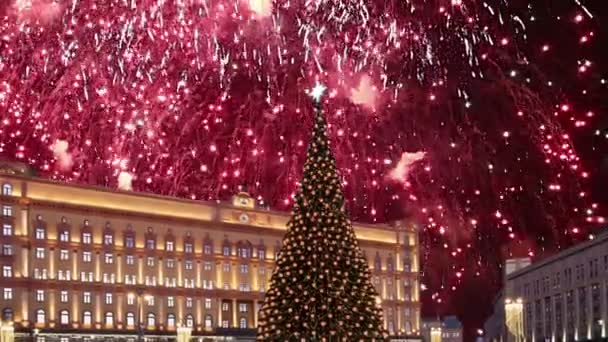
320	289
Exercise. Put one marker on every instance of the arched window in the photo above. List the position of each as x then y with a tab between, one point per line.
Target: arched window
208	321
64	317
87	318
189	321
7	314
171	320
7	189
243	323
151	320
130	319
109	319
40	316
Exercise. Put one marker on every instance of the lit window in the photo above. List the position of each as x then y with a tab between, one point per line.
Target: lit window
87	318
207	303
207	266
151	320
243	323
7	210
262	270
150	244
63	297
108	298
169	246
226	267
226	286
40	295
170	301
242	307
225	323
130	260
64	254
7	229
64	317
188	302
86	238
189	321
8	294
86	256
40	316
188	264
170	263
40	234
130	319
224	306
150	300
207	249
244	268
130	299
7	250
188	248
109	258
108	239
39	253
261	254
86	297
129	242
171	320
7	189
7	271
64	236
150	261
208	321
109	319
226	251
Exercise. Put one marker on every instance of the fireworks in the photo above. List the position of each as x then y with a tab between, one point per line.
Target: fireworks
196	98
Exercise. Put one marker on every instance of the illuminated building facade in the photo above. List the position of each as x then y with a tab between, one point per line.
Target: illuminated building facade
78	260
562	298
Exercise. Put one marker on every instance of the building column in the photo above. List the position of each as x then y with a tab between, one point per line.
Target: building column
255	313
235	319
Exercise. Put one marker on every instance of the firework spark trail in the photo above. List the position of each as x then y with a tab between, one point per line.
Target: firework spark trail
196	98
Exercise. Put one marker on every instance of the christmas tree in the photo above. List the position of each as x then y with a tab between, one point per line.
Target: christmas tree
320	289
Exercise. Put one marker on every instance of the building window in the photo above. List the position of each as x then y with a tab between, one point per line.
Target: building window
242	307
170	301
108	239
64	317
208	321
64	254
86	238
150	244
207	249
130	260
169	246
86	257
226	250
39	253
7	229
7	315
7	210
63	296
207	303
188	302
40	316
188	264
226	267
189	321
170	263
8	293
150	261
109	319
108	298
151	320
64	236
225	323
131	299
40	295
171	320
86	297
188	248
225	306
7	250
7	189
109	258
207	266
244	268
262	270
87	317
129	242
130	319
150	300
261	254
243	323
40	233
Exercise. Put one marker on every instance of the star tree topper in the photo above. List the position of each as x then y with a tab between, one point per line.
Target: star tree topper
317	92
